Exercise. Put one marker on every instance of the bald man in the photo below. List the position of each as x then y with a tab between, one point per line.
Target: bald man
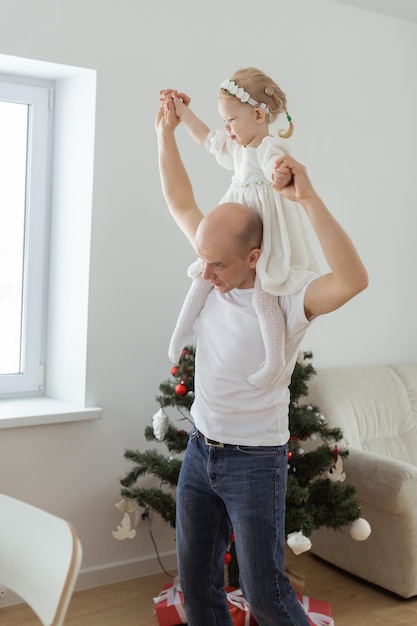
234	470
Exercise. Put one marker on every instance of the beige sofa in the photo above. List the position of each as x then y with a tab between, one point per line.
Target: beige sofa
376	407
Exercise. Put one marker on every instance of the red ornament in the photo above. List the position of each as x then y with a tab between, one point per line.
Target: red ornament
227	557
181	390
174	370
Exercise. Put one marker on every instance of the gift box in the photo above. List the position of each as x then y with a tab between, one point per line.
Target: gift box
318	611
239	609
169	605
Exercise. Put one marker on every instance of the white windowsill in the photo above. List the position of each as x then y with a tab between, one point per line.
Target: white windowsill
36	411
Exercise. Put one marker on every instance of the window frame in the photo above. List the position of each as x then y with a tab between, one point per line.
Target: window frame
37	96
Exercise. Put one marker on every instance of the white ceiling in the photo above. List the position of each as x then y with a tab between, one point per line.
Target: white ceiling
403	9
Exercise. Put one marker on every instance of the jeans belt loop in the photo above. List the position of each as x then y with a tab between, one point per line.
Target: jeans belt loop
211	442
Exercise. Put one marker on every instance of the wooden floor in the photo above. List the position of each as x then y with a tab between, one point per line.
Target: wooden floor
354	603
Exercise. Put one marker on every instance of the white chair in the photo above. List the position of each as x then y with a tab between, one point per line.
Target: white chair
40	558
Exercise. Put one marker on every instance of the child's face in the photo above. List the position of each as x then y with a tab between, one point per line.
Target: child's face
242	122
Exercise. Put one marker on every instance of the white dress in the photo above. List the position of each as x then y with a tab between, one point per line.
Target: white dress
285	265
287	257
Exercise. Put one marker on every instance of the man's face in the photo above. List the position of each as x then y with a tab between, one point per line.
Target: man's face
222	266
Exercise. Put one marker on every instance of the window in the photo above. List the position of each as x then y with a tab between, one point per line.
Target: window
61	321
25	161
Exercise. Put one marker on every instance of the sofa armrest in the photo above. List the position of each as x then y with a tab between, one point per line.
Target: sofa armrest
381	481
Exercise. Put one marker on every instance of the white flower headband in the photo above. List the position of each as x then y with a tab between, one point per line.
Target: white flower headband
242	95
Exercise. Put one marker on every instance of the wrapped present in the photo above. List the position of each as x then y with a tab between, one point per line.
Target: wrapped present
318	611
239	609
169	605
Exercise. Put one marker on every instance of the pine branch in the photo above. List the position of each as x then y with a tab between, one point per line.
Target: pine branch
306	420
151	462
161	502
297	515
300	376
334	504
307	466
174	439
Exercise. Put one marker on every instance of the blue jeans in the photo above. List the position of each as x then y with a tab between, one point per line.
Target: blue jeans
243	488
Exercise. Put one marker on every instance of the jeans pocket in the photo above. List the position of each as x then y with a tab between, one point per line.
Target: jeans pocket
259	450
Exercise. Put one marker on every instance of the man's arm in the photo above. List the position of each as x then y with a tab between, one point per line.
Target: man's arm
348	276
176	185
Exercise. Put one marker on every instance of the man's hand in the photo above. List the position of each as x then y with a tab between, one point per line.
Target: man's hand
166	118
299	187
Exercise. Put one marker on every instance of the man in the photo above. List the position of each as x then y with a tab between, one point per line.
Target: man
234	470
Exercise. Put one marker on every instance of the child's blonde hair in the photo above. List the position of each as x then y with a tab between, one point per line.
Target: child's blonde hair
262	89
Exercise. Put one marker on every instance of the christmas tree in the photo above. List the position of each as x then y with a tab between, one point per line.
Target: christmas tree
316	492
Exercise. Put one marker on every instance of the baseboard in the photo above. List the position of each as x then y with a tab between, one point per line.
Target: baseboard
111	573
124	570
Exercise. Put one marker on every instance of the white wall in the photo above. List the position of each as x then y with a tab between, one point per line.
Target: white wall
350	80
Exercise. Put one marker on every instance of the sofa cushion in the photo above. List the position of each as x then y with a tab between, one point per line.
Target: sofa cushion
375	406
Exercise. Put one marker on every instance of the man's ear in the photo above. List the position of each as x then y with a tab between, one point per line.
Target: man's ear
260	116
254	257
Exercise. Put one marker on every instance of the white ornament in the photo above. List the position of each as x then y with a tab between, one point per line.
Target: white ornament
127	505
124	531
298	542
360	529
160	424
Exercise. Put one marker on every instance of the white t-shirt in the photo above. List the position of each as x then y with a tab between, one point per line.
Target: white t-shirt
229	347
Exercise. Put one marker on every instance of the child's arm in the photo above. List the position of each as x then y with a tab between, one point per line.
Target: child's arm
268	153
196	127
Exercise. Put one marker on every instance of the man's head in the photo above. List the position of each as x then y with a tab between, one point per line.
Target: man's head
228	241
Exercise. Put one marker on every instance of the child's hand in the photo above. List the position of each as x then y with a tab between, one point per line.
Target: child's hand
299	188
180	100
281	177
165	93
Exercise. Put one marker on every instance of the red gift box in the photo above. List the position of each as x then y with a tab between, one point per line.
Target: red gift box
318	611
170	611
239	609
169	605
